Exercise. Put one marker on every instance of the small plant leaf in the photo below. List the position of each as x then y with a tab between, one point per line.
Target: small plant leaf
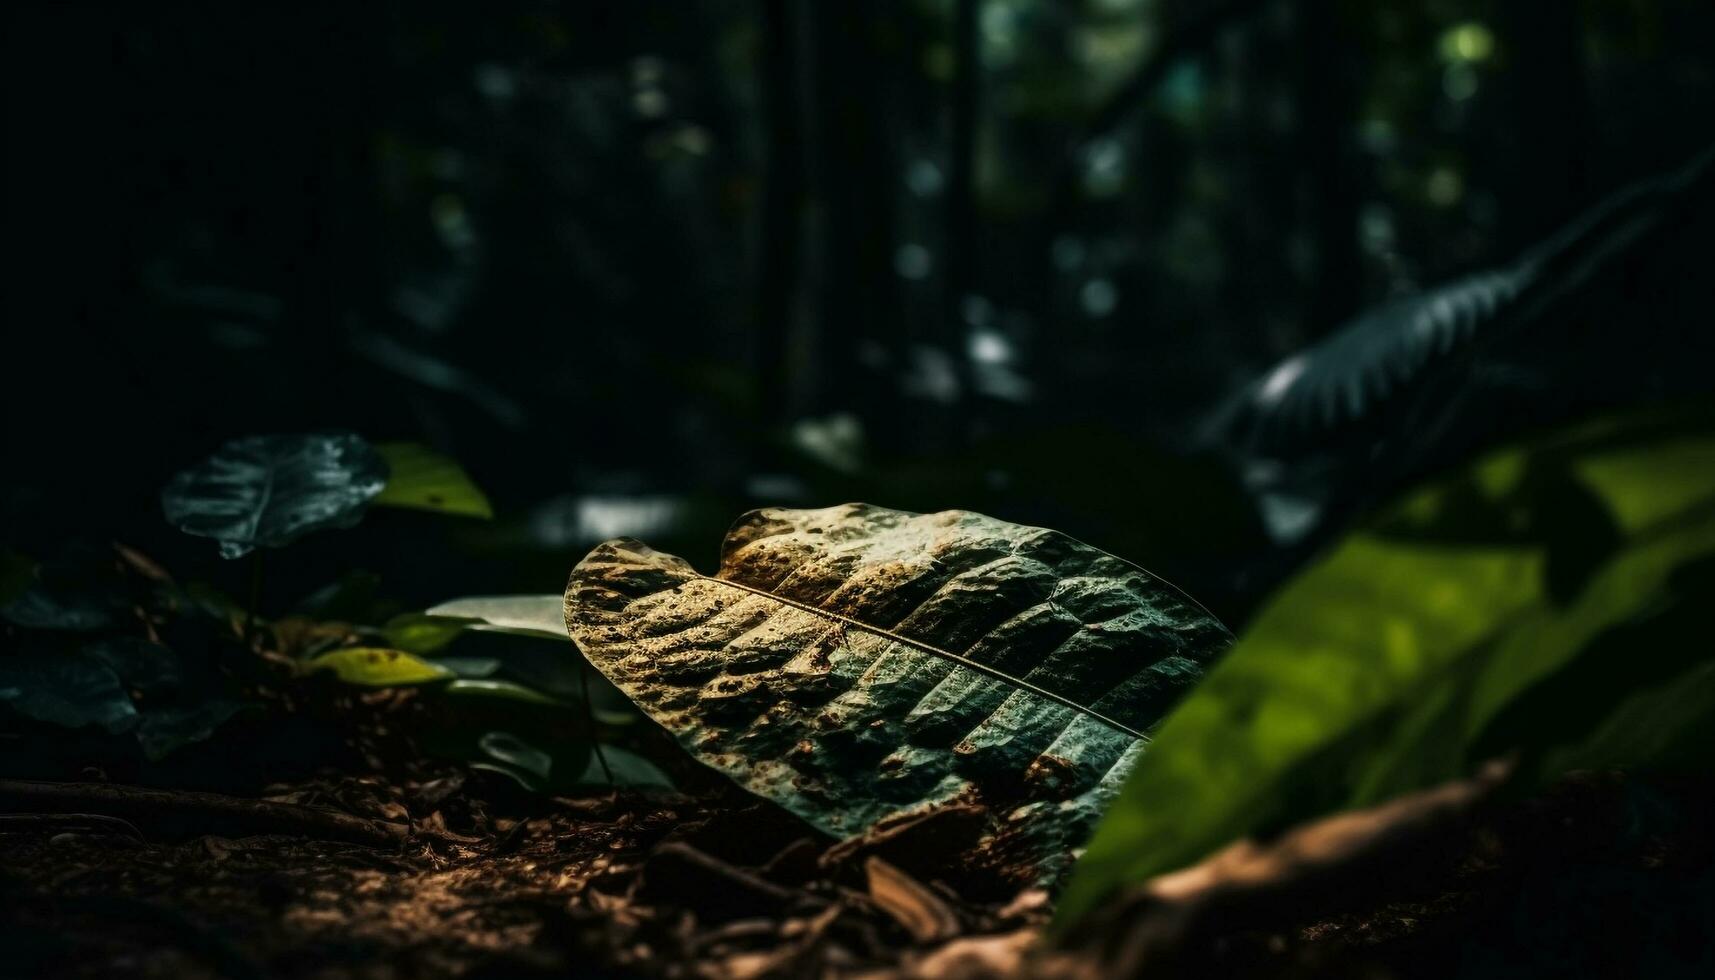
350	598
67	688
528	764
377	667
489	627
165	730
607	704
43	607
422	633
423	479
471	668
268	491
148	668
118	684
527	615
629	770
201	597
482	687
540	765
17	575
855	662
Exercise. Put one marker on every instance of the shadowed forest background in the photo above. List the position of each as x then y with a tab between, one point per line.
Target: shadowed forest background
1382	330
641	265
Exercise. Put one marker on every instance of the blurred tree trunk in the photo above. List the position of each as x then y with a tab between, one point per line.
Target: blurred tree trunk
336	221
961	203
1549	109
783	192
1165	158
1329	69
854	174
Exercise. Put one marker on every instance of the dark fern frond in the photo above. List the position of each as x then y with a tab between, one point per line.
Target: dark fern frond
1340	387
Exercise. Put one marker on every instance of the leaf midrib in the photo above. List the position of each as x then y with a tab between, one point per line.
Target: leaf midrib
265	498
934	651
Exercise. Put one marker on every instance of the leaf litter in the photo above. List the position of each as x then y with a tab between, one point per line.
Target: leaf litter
709	883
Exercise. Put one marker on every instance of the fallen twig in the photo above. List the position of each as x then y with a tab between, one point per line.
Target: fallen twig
923	914
714	888
85	820
184	814
1156	929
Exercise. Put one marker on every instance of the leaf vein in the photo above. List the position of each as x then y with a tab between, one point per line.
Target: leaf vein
936	651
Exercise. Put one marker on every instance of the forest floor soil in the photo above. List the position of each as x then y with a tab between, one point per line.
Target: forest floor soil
1603	876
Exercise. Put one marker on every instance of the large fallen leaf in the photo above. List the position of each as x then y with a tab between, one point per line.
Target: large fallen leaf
855	662
268	491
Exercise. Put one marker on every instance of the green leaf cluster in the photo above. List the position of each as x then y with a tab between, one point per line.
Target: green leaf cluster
530	711
269	491
76	659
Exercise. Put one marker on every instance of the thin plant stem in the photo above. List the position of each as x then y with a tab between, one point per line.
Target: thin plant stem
589	722
255	593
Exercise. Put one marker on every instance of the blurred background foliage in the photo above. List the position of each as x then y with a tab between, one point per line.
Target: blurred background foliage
641	265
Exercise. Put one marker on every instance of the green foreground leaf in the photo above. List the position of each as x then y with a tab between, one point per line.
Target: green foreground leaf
1423	645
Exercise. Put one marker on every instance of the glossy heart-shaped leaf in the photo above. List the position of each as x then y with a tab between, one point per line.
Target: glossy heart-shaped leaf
855	662
268	491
